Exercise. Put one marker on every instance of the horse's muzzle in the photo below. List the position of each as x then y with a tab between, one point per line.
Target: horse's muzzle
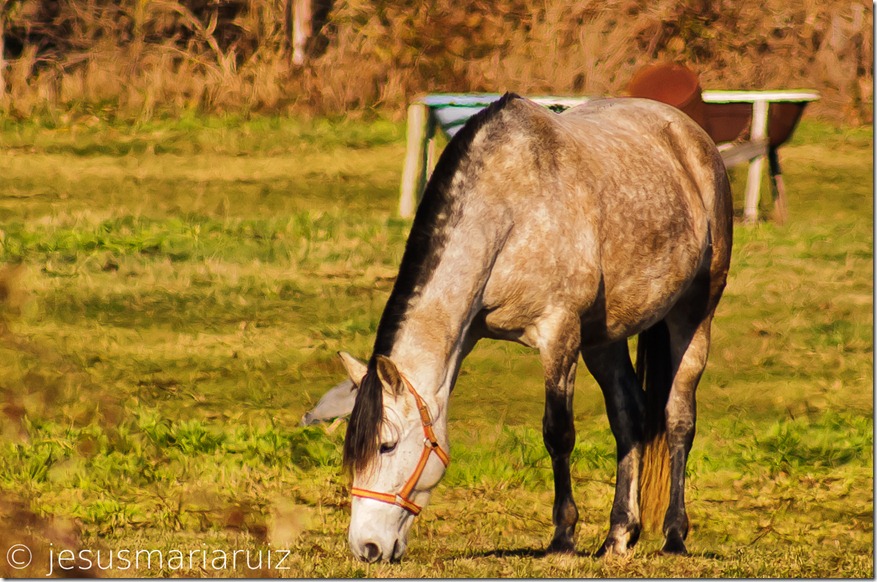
372	551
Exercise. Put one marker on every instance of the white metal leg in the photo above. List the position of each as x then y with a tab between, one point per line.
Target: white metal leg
414	172
758	133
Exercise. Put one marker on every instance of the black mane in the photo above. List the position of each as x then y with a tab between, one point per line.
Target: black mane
422	253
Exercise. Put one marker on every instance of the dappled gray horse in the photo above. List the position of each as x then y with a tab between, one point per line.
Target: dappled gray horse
568	233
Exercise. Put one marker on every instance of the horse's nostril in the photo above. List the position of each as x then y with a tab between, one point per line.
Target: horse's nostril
371	552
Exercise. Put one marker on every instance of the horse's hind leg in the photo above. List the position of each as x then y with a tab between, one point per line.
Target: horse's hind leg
690	348
559	359
611	367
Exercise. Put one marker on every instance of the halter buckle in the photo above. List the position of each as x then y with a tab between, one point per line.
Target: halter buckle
425	416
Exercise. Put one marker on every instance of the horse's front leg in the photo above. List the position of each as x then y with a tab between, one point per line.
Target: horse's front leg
559	358
612	369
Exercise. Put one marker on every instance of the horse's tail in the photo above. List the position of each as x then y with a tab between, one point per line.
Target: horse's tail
653	370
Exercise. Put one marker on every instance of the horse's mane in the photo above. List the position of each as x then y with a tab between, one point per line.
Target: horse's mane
422	252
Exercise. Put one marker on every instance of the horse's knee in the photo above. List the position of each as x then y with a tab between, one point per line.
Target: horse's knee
680	433
559	440
558	430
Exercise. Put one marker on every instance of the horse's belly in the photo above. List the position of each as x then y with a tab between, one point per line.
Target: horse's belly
526	299
604	323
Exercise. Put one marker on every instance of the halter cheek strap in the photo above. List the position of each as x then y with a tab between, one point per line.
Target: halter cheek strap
430	445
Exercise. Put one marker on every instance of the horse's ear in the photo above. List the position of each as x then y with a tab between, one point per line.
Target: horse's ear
356	369
389	375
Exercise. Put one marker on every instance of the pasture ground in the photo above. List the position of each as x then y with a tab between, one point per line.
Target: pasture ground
173	295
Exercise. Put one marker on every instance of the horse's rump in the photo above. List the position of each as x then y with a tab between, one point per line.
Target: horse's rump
613	201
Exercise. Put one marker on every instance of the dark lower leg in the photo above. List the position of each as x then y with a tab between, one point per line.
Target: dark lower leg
558	432
680	437
565	515
681	414
624	520
612	369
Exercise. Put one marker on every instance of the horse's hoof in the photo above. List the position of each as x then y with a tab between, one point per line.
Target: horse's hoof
674	545
561	546
620	541
613	547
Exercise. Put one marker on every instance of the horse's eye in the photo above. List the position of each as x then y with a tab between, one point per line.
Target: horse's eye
388	447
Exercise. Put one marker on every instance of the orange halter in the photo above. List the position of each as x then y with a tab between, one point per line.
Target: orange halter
430	445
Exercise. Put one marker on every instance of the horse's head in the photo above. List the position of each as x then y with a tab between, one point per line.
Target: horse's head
394	456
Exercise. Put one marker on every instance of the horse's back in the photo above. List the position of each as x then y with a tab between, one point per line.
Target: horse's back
645	155
649	136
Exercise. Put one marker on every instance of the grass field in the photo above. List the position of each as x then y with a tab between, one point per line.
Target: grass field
173	296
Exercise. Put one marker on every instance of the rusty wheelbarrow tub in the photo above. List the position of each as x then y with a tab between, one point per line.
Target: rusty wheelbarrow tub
727	116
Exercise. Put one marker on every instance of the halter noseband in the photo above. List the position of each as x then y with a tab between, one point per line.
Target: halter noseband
430	445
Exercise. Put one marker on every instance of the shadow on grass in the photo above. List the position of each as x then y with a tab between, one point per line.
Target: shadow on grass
707	555
542	553
525	553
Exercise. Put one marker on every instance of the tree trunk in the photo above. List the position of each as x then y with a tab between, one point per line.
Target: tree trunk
2	50
302	30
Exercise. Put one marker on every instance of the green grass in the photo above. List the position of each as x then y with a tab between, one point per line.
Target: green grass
175	292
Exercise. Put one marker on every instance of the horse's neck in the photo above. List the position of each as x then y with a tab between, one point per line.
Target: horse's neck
430	342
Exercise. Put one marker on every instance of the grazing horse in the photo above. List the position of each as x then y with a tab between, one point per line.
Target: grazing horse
568	233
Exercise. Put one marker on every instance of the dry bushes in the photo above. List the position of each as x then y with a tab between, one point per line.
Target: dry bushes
383	53
142	57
